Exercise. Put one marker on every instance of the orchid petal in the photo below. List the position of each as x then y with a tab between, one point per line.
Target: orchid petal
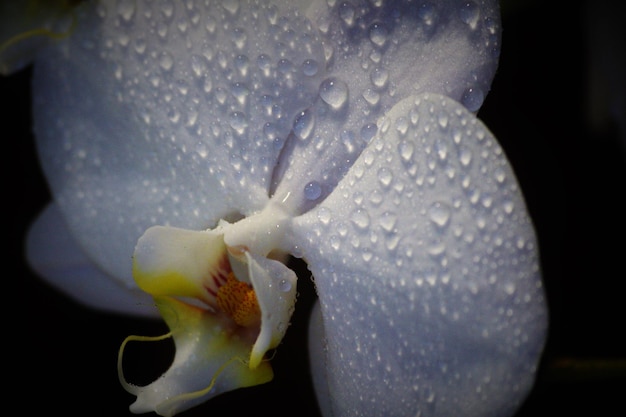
377	54
275	288
27	26
54	254
170	261
208	362
167	113
196	267
426	266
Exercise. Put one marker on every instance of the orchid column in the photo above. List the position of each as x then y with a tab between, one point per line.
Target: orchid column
190	146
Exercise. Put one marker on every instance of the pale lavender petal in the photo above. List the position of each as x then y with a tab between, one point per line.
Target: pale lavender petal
54	254
167	113
427	269
378	53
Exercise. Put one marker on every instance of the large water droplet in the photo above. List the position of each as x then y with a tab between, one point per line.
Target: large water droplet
439	213
312	191
324	215
334	92
346	13
378	34
472	99
368	132
166	61
469	13
428	14
126	9
310	67
385	176
388	221
231	5
379	77
303	124
406	149
238	121
361	219
284	285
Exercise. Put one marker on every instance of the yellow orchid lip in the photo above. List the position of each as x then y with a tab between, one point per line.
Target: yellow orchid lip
225	307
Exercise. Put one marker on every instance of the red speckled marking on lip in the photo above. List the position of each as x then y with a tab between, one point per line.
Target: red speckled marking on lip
218	277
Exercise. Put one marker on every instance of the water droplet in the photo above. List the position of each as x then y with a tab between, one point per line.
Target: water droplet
368	132
469	13
388	221
264	63
240	91
385	176
238	121
378	34
509	288
406	148
500	175
379	77
465	156
371	96
284	285
346	13
472	99
241	63
334	92
439	213
126	9
166	61
361	219
303	124
312	191
139	44
231	5
508	206
428	14
324	215
441	149
443	120
285	66
310	67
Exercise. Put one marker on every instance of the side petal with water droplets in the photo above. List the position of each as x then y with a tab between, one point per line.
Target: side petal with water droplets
427	269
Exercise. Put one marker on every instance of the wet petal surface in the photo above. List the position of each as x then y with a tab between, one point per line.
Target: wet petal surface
426	266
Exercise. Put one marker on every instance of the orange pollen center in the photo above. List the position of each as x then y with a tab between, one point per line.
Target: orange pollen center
238	300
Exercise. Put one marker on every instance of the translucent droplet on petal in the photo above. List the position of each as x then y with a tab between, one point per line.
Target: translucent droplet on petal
238	121
361	219
310	67
368	132
379	77
303	124
166	61
439	213
378	34
334	92
472	99
385	176
312	191
469	13
284	285
346	13
231	5
126	9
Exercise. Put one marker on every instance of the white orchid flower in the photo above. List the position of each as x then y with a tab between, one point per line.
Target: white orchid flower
191	145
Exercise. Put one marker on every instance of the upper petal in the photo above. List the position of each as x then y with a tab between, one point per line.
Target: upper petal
167	113
426	266
378	53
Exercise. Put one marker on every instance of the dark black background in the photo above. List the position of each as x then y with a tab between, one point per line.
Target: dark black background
61	357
